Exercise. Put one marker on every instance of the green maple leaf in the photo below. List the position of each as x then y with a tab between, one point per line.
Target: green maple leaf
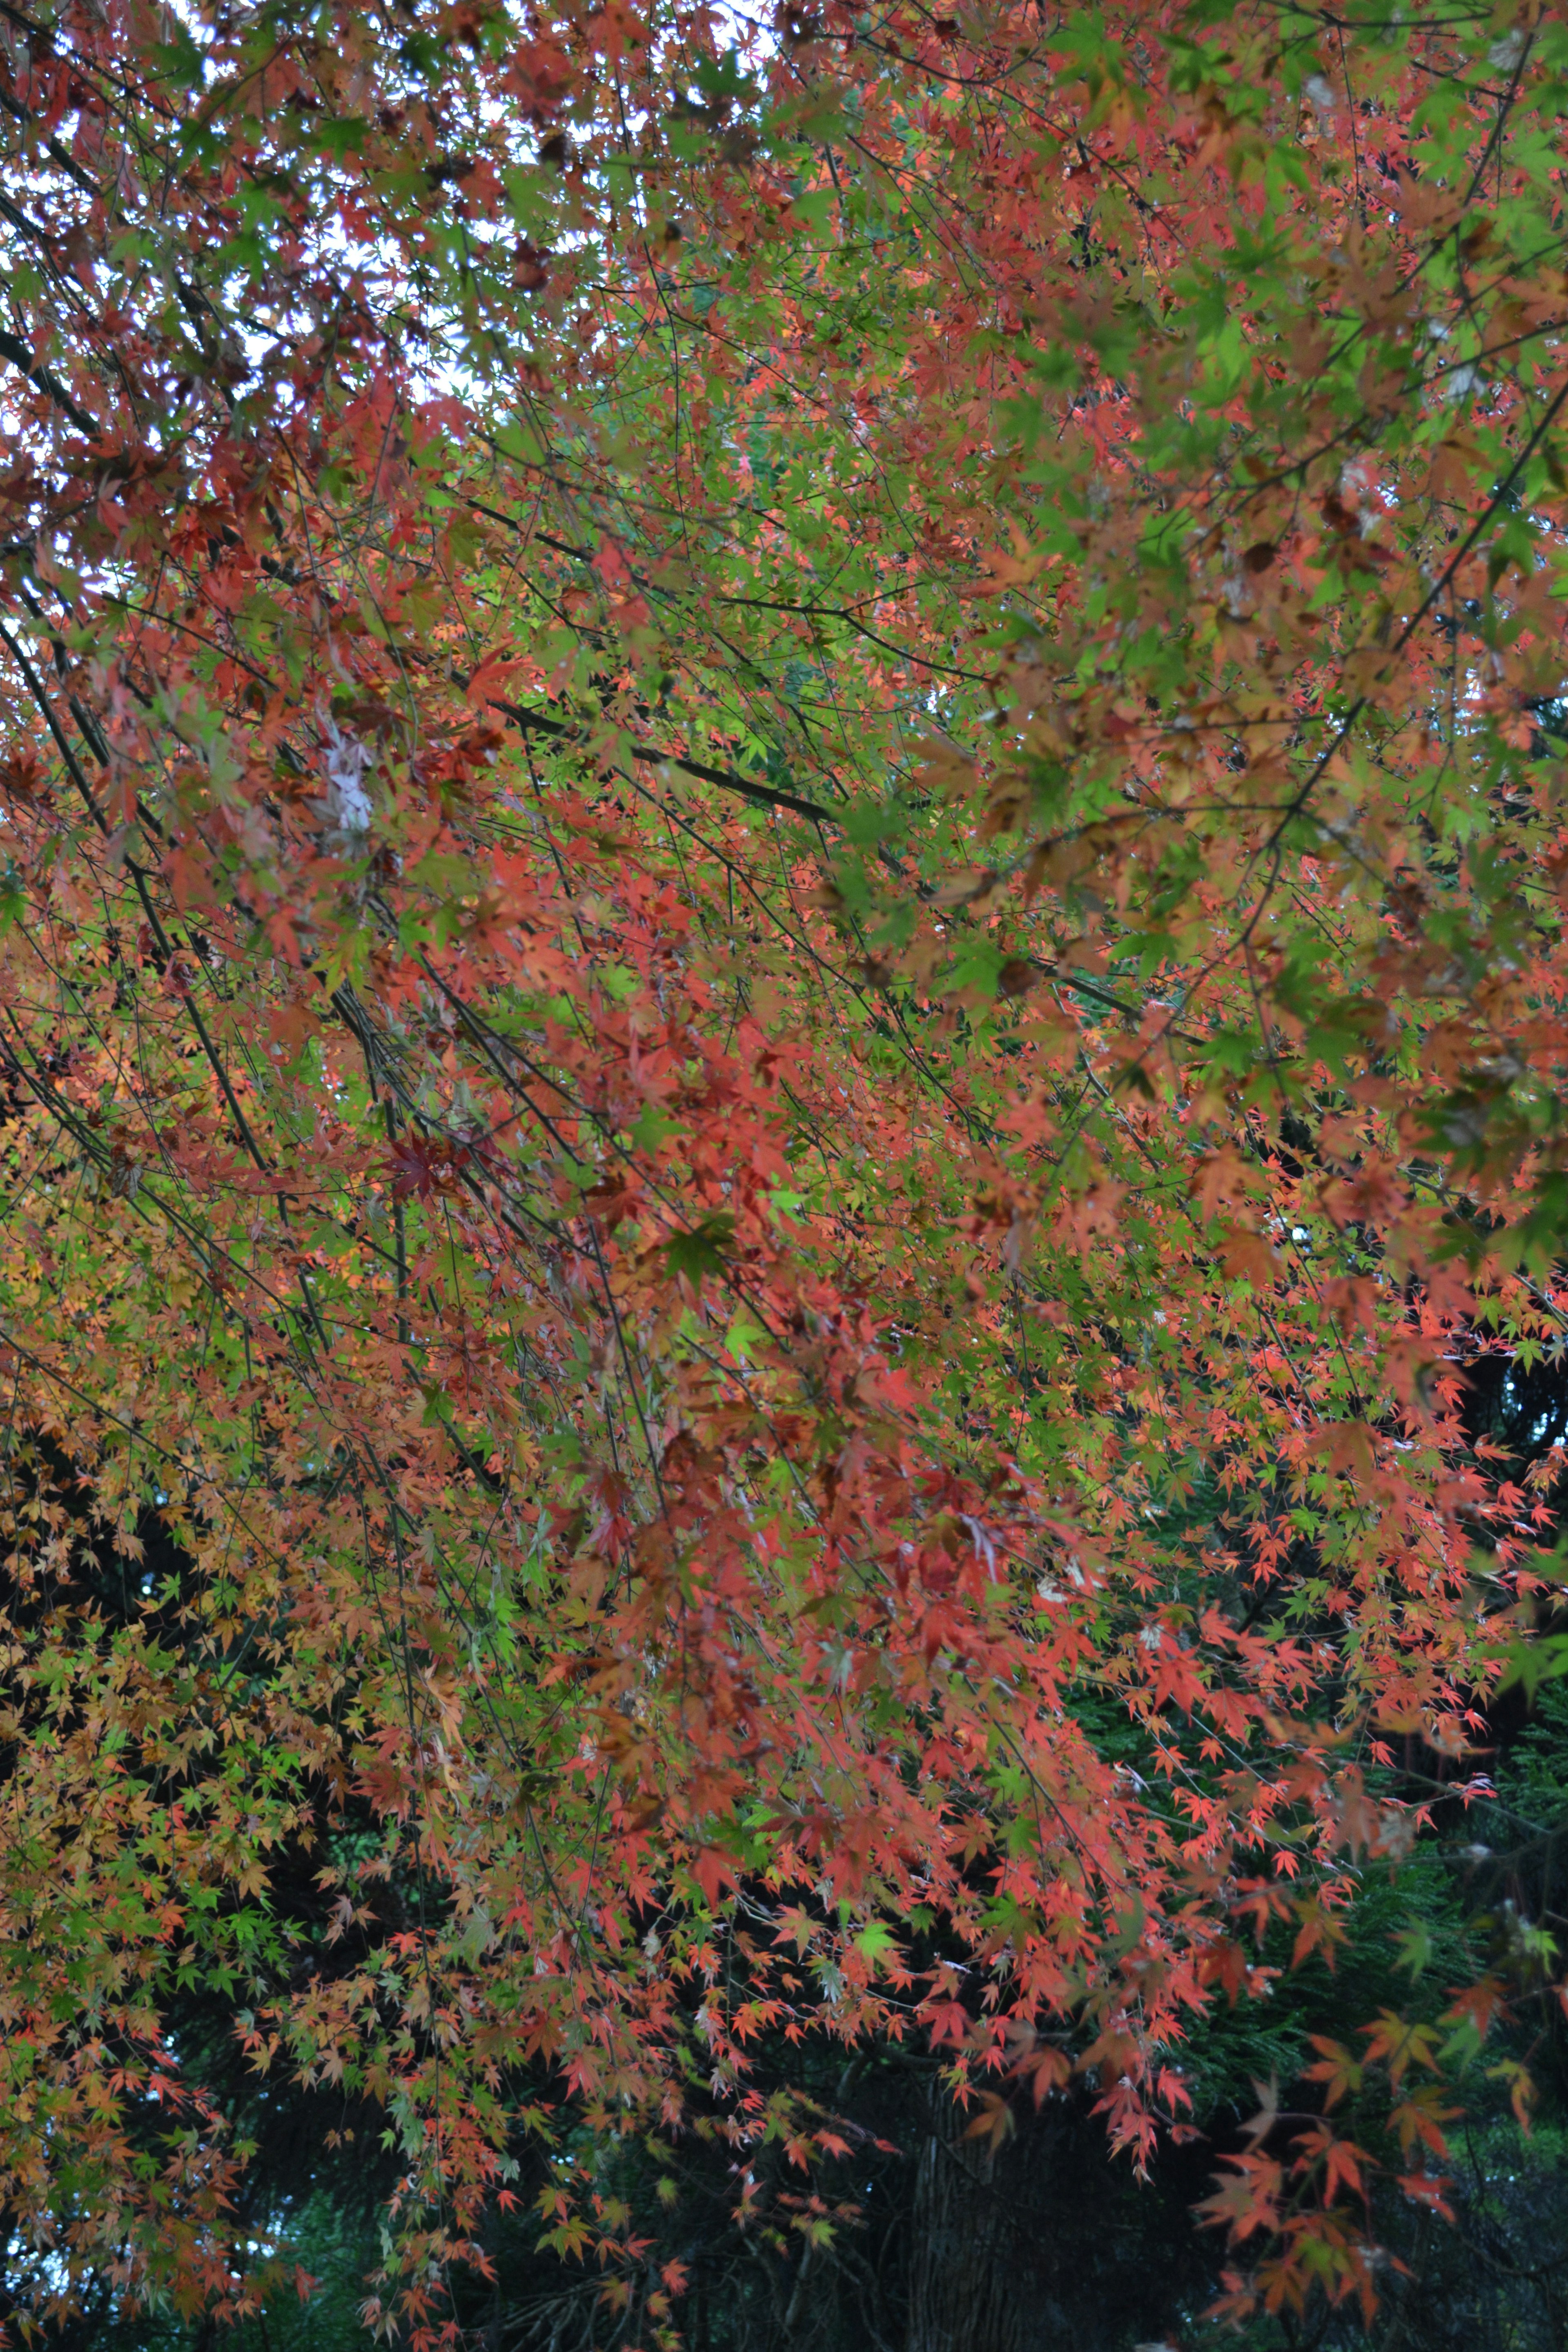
698	1249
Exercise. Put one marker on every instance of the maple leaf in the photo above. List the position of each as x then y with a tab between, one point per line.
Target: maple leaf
698	1249
421	1167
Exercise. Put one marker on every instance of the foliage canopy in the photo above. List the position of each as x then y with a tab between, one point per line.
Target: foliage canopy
782	1000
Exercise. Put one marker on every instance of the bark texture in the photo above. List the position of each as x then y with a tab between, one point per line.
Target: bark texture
979	2277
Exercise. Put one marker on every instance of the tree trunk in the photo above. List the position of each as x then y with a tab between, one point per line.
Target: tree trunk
976	2278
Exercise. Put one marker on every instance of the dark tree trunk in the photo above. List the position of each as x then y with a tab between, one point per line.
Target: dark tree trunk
978	2281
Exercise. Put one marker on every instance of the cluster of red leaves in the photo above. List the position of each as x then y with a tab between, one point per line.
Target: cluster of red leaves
783	985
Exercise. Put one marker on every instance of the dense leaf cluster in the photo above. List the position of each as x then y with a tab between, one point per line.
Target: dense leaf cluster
782	1013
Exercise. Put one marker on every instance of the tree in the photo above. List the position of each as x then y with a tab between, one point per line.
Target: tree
782	1007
